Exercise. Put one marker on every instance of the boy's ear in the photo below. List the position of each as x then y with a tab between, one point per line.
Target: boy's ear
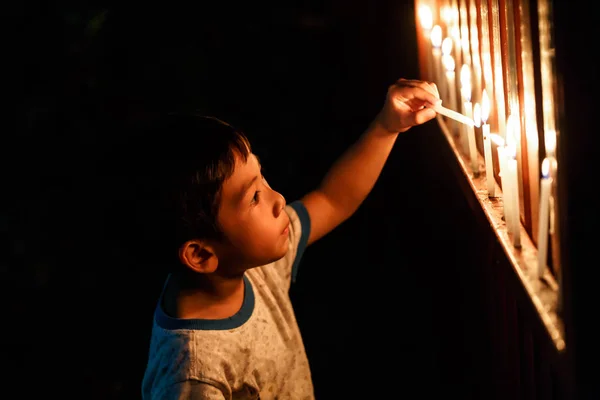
199	256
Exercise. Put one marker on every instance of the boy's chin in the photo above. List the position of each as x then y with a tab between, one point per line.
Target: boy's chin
276	257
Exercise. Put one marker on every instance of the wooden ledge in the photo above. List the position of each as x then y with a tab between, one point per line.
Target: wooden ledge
545	293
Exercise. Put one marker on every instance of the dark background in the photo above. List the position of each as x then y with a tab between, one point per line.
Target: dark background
379	302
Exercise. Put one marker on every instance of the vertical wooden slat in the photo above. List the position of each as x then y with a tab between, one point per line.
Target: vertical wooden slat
528	107
515	89
498	103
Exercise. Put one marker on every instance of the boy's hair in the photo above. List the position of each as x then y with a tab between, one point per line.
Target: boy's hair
188	157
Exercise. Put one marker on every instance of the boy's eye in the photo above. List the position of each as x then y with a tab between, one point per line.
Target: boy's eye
255	198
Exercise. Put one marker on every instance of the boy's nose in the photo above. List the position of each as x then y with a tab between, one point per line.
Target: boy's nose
279	204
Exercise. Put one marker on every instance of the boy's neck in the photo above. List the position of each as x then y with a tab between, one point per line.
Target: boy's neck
194	296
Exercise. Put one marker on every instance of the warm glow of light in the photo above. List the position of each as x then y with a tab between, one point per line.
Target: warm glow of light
550	141
455	33
477	115
465	43
546	167
511	151
447	15
446	46
436	36
465	81
449	63
465	75
454	15
485	106
426	17
511	142
509	130
497	139
531	131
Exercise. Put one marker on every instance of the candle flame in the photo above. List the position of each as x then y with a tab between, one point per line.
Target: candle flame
436	36
497	139
455	33
447	46
546	167
550	141
449	63
446	14
477	114
426	17
465	75
464	41
485	106
455	15
511	150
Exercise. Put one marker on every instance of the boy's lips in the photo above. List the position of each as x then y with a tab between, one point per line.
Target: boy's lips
286	230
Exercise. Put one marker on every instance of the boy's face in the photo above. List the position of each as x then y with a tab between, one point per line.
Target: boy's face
252	217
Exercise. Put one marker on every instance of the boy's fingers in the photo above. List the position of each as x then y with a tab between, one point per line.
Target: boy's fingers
424	115
419	90
431	87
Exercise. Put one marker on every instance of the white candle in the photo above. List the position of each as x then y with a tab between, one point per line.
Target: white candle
497	139
477	121
511	169
544	217
464	141
477	115
550	144
436	51
463	119
465	79
487	145
513	179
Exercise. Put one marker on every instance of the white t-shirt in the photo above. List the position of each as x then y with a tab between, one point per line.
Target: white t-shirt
258	353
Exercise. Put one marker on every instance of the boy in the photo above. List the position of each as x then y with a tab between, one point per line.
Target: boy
224	326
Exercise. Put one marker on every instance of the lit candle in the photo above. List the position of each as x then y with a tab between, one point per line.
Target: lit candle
446	15
513	179
465	80
477	115
544	217
487	145
436	51
501	150
550	144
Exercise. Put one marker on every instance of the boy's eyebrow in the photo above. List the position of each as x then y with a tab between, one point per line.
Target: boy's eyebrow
249	184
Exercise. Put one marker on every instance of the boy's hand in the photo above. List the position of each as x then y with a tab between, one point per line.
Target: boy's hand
405	105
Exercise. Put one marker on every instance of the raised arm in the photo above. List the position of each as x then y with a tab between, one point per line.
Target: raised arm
353	175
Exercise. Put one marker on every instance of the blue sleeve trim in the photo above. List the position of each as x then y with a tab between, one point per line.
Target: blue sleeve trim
302	212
